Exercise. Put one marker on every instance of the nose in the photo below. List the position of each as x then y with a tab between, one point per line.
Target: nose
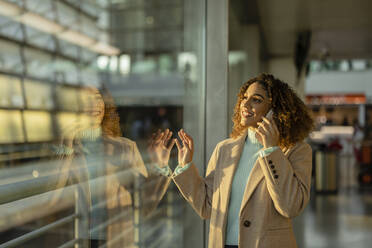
246	103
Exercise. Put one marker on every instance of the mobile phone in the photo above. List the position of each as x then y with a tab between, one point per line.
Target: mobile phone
269	114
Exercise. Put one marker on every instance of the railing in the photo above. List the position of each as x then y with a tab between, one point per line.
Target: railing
22	201
22	239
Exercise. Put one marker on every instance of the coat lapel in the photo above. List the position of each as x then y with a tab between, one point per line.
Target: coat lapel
230	163
254	179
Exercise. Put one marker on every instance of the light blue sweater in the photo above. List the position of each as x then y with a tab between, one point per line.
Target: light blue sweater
251	150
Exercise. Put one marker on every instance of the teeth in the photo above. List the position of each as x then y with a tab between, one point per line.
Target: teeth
247	114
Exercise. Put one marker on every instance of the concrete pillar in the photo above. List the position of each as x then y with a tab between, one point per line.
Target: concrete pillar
244	58
362	115
206	101
194	110
216	73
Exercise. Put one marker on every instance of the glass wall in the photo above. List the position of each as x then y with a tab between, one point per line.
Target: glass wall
86	90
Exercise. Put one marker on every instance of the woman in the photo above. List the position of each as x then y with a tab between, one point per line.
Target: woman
259	179
106	169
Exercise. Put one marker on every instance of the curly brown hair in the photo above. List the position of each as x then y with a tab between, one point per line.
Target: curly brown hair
111	121
290	113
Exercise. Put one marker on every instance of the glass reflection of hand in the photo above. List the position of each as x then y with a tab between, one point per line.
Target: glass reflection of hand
70	132
186	151
160	146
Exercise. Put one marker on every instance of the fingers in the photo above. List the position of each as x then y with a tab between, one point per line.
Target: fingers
262	126
164	136
166	141
169	136
259	132
267	133
182	137
171	144
268	126
188	139
265	120
179	147
155	137
259	135
159	136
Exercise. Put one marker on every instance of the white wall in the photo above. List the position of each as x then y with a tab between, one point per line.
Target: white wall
285	70
339	82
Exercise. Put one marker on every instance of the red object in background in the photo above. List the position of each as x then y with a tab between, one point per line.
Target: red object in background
358	155
334	99
367	179
366	154
335	145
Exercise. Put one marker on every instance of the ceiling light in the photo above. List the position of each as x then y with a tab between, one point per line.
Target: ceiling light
48	26
101	47
9	9
40	23
76	38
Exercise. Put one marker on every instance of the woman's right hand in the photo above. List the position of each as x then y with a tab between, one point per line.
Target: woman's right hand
159	147
69	133
186	151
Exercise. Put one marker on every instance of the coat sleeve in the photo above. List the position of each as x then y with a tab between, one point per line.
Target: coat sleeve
288	179
153	186
196	189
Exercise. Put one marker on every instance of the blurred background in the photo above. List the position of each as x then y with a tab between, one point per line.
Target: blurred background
179	64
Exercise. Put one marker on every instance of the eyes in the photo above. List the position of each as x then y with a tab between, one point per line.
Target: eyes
255	99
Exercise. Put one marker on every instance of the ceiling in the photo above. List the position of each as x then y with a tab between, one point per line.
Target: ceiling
340	28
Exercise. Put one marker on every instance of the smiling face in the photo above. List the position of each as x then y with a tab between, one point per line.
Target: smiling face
94	106
254	106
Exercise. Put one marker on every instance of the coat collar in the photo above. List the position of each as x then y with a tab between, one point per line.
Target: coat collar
229	166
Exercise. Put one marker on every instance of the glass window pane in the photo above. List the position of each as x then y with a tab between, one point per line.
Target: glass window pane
38	126
11	29
90	7
39	64
10	57
11	130
89	76
40	39
156	81
67	98
70	17
89	27
38	95
68	49
88	56
38	8
66	71
65	120
10	92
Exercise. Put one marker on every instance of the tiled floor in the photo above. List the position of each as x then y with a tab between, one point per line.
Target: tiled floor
343	220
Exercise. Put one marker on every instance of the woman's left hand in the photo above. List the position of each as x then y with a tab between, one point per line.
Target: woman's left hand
267	133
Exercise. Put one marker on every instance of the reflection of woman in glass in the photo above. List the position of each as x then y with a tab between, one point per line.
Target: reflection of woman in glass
108	170
259	179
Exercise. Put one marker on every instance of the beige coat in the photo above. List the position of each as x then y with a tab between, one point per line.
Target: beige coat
277	190
123	167
122	153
